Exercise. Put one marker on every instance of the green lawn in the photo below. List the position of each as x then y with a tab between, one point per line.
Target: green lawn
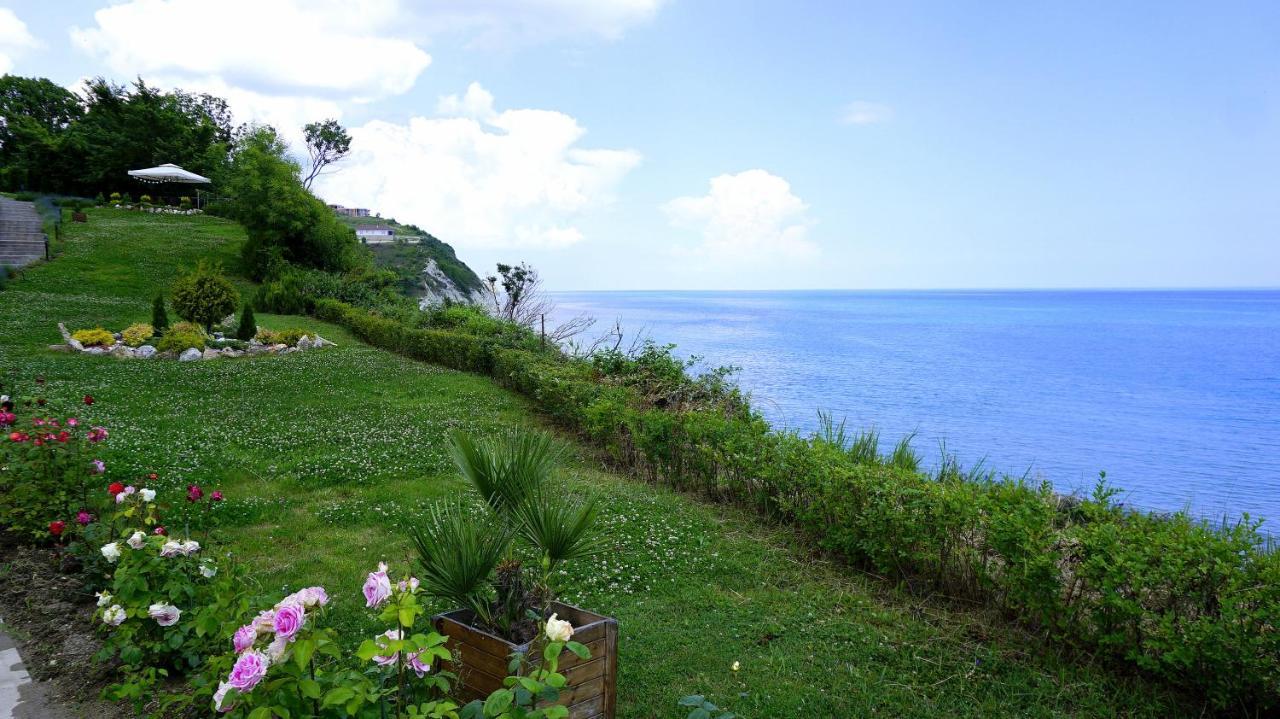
325	456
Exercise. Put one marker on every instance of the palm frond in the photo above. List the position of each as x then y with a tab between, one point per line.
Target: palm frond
505	470
560	526
458	555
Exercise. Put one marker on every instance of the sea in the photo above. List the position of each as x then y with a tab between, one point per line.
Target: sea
1175	395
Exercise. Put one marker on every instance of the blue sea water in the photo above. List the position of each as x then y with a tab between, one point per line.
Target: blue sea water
1176	395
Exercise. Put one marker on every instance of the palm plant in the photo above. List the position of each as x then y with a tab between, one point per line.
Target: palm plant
460	556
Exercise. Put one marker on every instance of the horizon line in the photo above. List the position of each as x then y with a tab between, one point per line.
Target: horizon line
1241	288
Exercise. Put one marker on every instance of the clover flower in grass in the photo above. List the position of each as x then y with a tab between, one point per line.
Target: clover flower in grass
166	615
377	587
113	615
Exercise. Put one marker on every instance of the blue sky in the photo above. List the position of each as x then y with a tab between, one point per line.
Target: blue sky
643	144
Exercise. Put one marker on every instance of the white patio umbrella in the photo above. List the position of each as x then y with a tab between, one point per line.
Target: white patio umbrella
168	172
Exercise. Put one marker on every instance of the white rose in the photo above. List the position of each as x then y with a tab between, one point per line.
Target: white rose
113	615
166	615
190	547
137	540
171	548
104	598
277	648
208	570
111	552
148	495
558	630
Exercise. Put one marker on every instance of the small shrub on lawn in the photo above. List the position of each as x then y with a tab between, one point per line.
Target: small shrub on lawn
248	326
181	336
136	335
159	318
288	337
96	337
204	296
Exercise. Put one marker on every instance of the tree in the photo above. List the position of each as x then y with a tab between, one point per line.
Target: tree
34	113
285	222
516	295
248	327
159	318
204	296
327	142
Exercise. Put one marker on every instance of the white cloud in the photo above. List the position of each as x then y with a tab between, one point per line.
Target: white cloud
750	217
15	39
479	177
497	23
330	48
862	112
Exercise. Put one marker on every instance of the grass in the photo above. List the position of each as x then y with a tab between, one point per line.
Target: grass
328	457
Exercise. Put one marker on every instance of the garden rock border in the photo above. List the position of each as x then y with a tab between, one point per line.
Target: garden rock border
119	349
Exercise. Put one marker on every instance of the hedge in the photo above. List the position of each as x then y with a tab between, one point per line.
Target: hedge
1194	604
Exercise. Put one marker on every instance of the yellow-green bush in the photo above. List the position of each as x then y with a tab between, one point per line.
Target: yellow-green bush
96	337
136	335
181	336
288	337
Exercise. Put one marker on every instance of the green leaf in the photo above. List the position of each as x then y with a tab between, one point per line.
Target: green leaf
310	688
260	713
694	700
368	650
338	695
579	649
302	652
498	701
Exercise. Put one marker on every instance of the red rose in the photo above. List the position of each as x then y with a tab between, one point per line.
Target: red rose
115	488
64	436
194	493
88	399
216	496
16	436
153	476
160	531
56	527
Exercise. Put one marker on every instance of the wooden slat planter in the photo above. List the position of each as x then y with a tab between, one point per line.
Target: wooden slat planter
590	689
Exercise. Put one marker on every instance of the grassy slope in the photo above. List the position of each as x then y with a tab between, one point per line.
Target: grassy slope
325	454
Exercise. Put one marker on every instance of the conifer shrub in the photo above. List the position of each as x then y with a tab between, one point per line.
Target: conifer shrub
96	337
159	318
248	327
136	335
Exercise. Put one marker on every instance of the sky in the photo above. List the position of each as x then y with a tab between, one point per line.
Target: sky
709	144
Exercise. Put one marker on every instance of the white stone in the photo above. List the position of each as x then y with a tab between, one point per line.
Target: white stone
145	352
210	354
304	343
74	344
66	336
190	354
95	351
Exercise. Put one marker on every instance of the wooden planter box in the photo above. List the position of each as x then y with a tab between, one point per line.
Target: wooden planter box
78	216
481	658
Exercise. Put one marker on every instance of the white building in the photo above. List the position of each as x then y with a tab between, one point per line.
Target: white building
375	234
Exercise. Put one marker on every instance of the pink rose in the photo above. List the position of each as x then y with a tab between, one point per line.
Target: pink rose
166	615
385	660
220	695
288	620
309	597
265	622
249	669
418	667
244	638
377	588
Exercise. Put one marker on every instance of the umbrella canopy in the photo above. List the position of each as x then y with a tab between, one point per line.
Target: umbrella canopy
168	173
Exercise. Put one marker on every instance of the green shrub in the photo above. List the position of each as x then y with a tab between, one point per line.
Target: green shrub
127	199
204	296
136	335
145	199
1192	603
159	318
181	336
96	337
99	199
184	203
248	326
114	197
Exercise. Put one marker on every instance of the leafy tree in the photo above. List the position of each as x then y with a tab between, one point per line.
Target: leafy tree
327	142
34	113
248	327
204	296
285	222
159	318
